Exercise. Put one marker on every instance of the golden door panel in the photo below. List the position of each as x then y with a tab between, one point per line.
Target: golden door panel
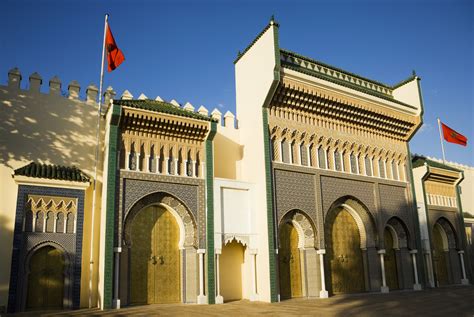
439	257
166	258
155	266
290	264
141	270
345	256
46	280
390	261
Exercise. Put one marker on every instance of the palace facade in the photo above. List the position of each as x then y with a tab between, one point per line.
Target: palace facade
307	192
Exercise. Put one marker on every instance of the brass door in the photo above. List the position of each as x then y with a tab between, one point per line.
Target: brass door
155	259
289	261
390	261
439	257
46	279
345	256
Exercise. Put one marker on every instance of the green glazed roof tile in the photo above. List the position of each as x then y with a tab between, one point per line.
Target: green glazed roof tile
420	160
58	172
163	107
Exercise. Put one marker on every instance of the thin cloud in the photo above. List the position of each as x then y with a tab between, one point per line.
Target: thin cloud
426	127
220	105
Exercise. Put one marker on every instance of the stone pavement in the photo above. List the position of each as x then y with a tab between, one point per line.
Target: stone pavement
446	302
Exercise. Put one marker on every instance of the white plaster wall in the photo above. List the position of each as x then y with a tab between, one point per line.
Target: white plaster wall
254	75
418	174
409	94
235	215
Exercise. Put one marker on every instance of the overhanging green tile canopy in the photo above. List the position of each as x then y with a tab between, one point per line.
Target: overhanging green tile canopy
58	172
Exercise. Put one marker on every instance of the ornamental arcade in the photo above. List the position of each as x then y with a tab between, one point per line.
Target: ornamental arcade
308	191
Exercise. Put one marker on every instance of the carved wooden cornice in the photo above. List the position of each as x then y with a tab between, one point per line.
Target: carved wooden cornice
143	123
301	102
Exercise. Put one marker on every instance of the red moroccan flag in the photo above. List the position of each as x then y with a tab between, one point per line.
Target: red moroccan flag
452	136
114	54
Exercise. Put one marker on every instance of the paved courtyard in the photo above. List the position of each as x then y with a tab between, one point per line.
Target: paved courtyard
447	302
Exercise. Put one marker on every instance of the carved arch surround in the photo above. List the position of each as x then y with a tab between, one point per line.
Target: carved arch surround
401	233
360	213
304	227
449	234
182	214
68	263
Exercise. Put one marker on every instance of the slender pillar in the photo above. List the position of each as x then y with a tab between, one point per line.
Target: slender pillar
417	285
201	297
175	172
137	162
167	166
384	288
127	161
253	262
323	293
116	300
147	163
464	280
193	165
219	298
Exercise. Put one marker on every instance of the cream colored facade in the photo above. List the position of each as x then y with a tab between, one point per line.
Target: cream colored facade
309	142
51	129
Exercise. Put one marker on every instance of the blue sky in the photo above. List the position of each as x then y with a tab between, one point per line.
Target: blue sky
184	50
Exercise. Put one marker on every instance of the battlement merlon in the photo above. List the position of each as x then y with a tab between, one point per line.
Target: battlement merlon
55	85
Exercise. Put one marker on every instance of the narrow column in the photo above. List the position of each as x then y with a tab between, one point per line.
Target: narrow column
175	172
147	162
253	263
417	285
127	161
464	280
323	293
219	298
116	300
167	166
193	169
137	162
384	288
201	297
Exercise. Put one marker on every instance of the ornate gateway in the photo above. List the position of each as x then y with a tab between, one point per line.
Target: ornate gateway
289	260
46	279
155	268
390	261
345	256
439	257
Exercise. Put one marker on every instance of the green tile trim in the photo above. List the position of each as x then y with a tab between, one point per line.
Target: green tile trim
419	255
339	70
405	81
163	107
344	83
420	160
110	205
58	172
211	280
272	22
270	211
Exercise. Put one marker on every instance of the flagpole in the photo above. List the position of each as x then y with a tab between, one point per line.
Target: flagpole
91	262
441	140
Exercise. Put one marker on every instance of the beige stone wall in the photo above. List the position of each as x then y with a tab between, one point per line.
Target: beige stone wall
47	128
